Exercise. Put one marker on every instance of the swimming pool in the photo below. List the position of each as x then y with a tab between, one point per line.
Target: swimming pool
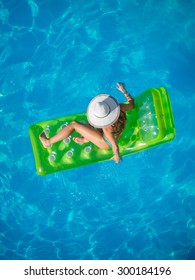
54	59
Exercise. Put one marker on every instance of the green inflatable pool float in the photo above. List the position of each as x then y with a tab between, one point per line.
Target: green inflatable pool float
149	124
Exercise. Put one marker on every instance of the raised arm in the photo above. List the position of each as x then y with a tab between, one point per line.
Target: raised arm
130	99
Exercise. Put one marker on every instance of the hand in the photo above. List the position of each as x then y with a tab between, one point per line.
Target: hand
117	158
121	87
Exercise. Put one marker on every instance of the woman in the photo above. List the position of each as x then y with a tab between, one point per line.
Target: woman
106	119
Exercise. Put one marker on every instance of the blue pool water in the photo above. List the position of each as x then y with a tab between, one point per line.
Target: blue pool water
55	56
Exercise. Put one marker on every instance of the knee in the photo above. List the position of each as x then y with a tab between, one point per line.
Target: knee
74	124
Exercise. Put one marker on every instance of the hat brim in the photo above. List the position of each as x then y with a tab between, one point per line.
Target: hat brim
108	120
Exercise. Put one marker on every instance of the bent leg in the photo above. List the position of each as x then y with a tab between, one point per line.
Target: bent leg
91	134
88	132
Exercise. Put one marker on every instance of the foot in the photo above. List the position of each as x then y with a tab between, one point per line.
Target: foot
80	140
45	142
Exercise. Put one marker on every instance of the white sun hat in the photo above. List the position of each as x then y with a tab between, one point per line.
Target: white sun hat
103	111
